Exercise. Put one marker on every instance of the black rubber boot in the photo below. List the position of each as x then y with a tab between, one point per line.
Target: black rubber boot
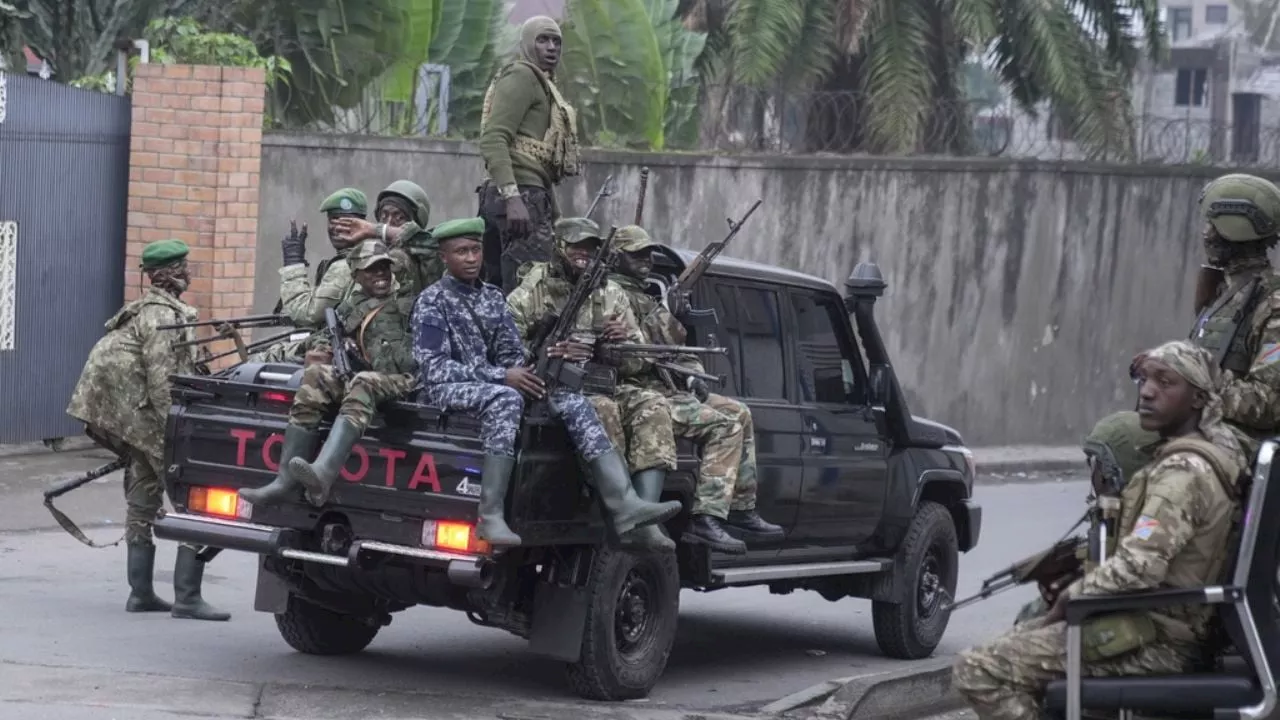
749	521
298	442
494	478
141	568
318	477
188	574
650	538
613	485
706	530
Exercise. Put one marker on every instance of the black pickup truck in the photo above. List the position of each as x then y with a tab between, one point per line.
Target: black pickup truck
876	503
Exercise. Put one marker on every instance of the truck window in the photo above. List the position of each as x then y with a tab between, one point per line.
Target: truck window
823	368
725	300
759	327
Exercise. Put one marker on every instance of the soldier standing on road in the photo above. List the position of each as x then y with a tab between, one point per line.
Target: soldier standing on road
471	357
529	141
726	489
637	419
375	321
1242	220
122	397
1175	524
403	213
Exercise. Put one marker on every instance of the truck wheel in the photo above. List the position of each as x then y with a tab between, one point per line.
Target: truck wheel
630	625
314	630
927	565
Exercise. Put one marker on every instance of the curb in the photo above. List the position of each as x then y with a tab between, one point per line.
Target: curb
66	446
916	692
1006	463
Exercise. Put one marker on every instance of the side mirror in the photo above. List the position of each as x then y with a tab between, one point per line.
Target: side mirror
865	281
878	380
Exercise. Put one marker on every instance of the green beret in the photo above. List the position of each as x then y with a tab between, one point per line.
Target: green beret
367	254
462	227
163	252
347	201
1242	208
632	238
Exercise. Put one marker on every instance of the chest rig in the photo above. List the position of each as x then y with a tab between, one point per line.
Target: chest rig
1223	329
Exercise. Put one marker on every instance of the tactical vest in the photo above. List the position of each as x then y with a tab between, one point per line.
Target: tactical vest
379	328
1224	328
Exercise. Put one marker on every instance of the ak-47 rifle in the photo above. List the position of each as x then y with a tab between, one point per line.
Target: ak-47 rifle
696	267
228	329
663	357
606	190
75	482
1065	558
340	346
644	189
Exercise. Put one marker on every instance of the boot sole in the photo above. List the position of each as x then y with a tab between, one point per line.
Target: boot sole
148	608
187	615
732	549
310	481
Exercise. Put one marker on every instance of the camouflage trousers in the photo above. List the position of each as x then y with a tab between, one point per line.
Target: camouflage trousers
639	420
516	253
143	496
497	406
358	398
744	489
1005	680
720	438
285	351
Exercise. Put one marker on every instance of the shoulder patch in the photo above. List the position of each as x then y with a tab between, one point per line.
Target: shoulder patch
1144	527
1268	354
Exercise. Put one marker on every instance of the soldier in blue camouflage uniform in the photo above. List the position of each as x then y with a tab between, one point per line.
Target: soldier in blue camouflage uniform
726	491
472	360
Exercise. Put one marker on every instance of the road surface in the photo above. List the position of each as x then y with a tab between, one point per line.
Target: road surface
67	649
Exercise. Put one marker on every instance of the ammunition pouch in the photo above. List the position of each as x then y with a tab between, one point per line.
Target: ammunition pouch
571	377
1111	636
600	380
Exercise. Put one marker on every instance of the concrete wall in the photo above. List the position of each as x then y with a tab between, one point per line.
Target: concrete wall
1018	291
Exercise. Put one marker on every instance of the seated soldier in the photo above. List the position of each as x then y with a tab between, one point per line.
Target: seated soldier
1174	528
402	211
472	360
726	489
375	322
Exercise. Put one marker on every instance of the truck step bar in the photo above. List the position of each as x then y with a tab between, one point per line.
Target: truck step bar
466	570
765	573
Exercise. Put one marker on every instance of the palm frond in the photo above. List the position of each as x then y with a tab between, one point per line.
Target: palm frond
762	32
850	20
896	78
809	60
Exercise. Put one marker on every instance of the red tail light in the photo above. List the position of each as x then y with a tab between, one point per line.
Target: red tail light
277	396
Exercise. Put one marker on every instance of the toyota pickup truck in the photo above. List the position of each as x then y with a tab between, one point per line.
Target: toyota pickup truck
875	502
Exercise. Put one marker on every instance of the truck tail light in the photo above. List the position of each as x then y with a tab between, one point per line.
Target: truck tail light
452	536
218	501
276	396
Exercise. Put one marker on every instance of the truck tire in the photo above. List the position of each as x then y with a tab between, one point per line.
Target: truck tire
311	629
630	626
927	564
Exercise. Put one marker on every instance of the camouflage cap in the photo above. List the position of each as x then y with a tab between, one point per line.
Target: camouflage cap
1242	208
571	231
632	238
367	253
1198	367
1120	445
163	252
347	201
462	227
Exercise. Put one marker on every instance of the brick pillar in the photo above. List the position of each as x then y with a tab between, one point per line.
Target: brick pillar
194	162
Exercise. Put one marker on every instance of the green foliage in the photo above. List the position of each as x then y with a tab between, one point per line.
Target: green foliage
422	20
11	34
472	37
77	37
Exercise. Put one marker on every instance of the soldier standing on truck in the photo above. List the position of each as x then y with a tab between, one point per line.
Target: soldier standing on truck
726	491
1176	518
472	359
529	142
122	397
376	321
403	214
637	419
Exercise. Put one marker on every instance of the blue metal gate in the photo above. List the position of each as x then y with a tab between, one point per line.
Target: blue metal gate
64	182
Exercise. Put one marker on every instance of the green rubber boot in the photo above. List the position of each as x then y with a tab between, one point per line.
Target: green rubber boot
494	479
298	442
141	569
650	538
613	485
188	574
318	477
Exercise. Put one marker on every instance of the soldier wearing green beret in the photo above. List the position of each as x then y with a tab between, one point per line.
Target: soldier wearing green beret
304	300
403	212
122	397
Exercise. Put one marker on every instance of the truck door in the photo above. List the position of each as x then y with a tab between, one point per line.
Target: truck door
845	457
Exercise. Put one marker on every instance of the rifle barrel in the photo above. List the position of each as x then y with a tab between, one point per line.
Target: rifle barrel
648	349
250	321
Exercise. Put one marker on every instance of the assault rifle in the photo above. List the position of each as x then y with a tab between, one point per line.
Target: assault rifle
699	265
606	190
65	487
229	329
339	345
1065	558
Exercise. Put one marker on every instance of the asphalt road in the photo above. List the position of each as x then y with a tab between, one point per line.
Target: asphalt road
67	649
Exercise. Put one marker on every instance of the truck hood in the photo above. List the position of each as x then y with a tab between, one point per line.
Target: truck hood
953	436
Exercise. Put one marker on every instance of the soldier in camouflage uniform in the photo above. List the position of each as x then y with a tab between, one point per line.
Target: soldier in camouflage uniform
375	324
529	142
637	419
122	397
471	358
1174	530
301	300
403	213
726	489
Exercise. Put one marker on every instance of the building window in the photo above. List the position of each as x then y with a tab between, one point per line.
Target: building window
1180	23
1216	14
1190	87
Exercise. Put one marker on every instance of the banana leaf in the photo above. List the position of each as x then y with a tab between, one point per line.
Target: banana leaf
419	32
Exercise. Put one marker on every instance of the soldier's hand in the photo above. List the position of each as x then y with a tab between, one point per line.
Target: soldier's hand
353	230
699	388
614	331
226	330
523	379
571	351
517	217
294	245
678	303
318	357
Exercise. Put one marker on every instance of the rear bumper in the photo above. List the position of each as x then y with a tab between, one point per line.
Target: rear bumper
466	570
970	527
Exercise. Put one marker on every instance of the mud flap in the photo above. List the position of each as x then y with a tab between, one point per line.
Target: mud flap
272	593
559	621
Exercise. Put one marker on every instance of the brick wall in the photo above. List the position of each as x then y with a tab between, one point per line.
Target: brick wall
194	164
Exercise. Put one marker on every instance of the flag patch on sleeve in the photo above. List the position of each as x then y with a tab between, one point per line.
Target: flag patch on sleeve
1144	527
1269	354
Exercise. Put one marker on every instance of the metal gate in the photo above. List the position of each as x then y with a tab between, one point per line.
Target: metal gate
64	182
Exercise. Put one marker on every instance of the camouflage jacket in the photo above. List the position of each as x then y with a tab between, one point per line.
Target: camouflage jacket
1174	530
124	387
304	304
464	333
657	326
380	328
417	255
544	290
